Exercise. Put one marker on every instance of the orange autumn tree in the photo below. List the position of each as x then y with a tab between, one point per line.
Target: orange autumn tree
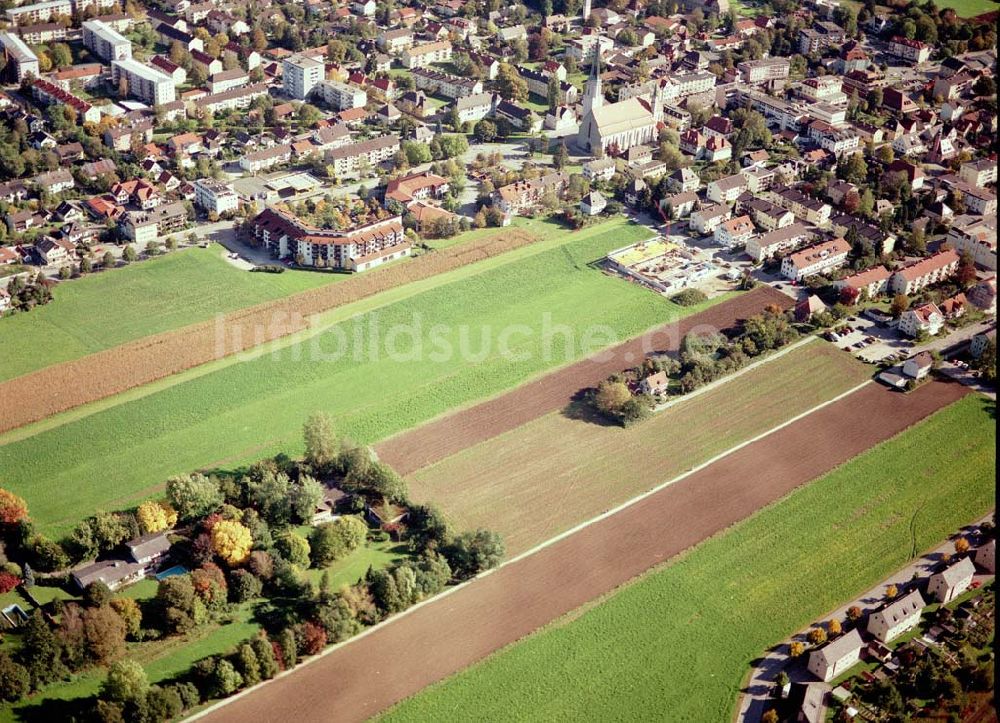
13	509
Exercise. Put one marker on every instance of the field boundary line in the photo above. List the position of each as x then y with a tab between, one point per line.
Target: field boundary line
317	324
684	475
735	375
537	548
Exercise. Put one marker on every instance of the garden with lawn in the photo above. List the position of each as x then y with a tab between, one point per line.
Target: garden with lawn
679	640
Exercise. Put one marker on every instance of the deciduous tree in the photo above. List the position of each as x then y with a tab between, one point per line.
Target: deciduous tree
126	682
231	541
13	508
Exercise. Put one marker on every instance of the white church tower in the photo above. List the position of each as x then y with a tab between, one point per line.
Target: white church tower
593	97
586	11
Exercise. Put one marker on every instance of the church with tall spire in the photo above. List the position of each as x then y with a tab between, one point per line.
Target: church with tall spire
617	126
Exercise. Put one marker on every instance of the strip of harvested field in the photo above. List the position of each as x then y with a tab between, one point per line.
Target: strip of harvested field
61	387
256	407
417	448
556	471
360	679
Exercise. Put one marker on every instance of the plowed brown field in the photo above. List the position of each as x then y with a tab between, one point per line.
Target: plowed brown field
370	674
61	387
411	450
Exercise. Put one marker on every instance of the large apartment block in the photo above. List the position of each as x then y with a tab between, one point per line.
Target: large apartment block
357	249
420	56
931	270
39	12
348	158
20	59
147	84
105	42
450	86
341	96
215	197
301	74
815	259
761	72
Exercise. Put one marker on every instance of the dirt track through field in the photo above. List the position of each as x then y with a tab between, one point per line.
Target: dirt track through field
369	675
431	442
61	387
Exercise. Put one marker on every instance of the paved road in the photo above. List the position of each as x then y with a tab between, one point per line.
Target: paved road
761	683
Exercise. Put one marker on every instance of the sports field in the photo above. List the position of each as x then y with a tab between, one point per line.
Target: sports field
677	643
110	308
246	410
551	474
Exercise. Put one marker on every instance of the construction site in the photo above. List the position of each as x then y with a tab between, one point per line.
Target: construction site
663	265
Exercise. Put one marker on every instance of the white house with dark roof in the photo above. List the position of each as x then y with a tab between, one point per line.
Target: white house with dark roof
897	617
951	582
149	549
829	661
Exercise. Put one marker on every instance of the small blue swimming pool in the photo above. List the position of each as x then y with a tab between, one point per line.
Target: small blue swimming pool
171	572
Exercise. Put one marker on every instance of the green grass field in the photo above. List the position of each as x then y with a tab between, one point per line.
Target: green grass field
246	410
110	308
969	8
677	643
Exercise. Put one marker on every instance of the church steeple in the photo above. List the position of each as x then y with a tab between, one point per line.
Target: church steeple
593	93
593	97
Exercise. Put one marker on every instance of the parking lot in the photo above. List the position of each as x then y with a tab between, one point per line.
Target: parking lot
869	341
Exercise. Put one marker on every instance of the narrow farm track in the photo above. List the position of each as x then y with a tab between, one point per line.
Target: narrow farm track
432	442
433	641
61	387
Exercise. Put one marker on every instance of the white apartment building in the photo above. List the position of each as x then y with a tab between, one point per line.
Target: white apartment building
395	41
691	84
728	189
912	50
147	84
979	173
420	56
925	318
735	232
758	72
979	239
106	42
475	107
232	99
215	197
815	259
951	582
837	656
39	12
450	86
770	244
348	158
931	270
20	55
301	74
708	217
341	96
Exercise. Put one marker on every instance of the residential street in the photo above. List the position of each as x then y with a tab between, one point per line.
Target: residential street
761	683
